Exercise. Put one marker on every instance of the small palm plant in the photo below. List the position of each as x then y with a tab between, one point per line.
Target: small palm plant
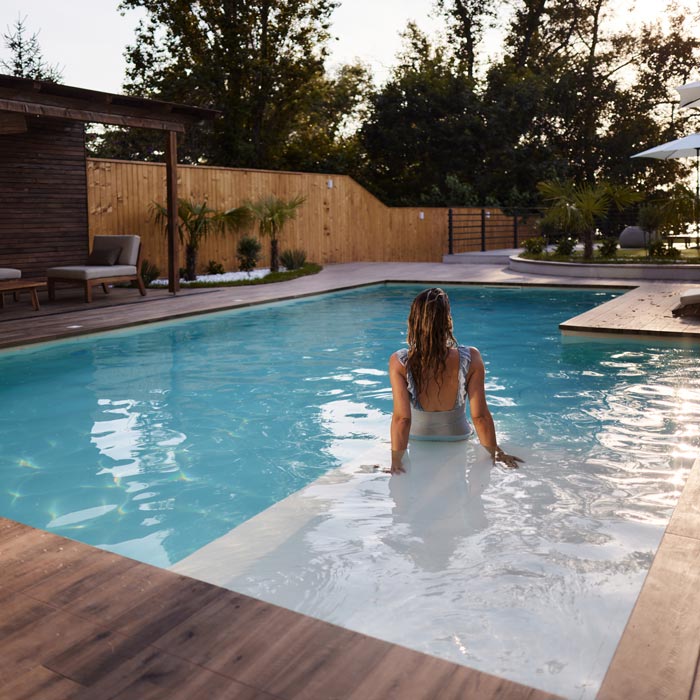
271	214
196	220
578	208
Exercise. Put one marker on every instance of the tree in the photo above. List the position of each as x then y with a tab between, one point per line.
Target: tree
26	60
578	208
260	63
196	221
324	138
573	97
272	214
468	20
423	126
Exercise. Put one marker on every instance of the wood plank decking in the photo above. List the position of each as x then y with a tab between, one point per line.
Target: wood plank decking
77	622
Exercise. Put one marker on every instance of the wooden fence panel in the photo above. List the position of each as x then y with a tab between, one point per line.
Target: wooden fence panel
339	222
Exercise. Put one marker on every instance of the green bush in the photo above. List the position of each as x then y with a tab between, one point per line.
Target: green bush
608	247
149	272
662	249
293	259
248	253
534	246
182	273
565	245
215	268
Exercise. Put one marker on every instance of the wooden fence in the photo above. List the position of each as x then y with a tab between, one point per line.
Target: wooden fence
339	222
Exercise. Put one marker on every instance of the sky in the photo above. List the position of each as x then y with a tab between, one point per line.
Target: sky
87	38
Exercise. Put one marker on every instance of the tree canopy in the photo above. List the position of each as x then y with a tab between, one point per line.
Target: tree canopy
569	93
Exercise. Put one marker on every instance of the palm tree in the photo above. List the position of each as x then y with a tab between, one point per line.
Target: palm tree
272	213
196	221
578	208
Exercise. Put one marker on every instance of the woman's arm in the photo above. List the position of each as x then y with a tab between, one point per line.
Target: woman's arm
401	416
481	416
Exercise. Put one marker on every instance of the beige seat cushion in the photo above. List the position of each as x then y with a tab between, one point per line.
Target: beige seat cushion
91	272
9	273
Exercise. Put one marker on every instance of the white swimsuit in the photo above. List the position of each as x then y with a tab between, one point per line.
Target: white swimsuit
440	425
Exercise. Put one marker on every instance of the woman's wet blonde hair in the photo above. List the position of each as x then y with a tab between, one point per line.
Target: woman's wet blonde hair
429	337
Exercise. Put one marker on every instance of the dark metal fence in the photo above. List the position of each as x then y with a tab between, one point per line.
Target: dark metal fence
489	228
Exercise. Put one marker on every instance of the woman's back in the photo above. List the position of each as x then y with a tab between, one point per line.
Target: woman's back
442	395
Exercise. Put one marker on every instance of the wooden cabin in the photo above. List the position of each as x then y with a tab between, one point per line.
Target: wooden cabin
43	174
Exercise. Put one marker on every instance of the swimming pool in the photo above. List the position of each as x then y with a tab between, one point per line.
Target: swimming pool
154	442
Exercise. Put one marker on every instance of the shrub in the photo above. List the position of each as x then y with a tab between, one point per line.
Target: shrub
534	246
565	245
662	249
248	252
149	272
293	259
215	268
607	247
182	272
549	230
651	217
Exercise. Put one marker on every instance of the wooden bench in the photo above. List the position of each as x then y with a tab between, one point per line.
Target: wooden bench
19	285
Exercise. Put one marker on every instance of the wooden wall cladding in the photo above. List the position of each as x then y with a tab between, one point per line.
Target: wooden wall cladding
43	196
337	224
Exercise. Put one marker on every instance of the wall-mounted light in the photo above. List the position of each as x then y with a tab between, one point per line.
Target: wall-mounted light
329	183
421	215
487	214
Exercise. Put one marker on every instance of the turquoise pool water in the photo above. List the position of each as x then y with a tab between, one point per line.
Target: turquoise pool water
155	441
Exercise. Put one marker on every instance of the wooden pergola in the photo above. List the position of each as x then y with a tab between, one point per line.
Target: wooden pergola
42	150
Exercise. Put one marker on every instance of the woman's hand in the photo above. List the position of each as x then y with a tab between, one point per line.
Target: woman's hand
505	460
397	466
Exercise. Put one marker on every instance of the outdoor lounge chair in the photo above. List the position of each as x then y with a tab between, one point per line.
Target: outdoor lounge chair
689	304
113	259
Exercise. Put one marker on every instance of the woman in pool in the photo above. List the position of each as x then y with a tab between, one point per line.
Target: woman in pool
430	383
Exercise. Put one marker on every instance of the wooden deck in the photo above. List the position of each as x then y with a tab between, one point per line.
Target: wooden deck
77	622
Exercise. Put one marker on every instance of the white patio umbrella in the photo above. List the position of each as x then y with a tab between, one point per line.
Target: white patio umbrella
690	94
687	147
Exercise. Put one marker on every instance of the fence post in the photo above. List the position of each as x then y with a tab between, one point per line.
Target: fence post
515	230
483	229
450	247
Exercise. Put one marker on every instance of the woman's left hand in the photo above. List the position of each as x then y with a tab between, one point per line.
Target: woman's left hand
505	460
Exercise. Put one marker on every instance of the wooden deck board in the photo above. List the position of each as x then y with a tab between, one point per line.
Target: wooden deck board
38	683
658	654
